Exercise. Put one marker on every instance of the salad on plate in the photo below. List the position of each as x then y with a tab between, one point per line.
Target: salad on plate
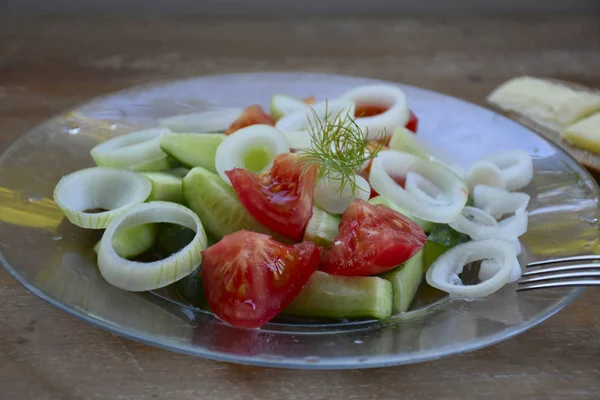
319	209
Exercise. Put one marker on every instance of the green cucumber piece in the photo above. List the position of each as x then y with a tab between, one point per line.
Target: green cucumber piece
322	228
217	204
165	187
172	237
333	296
282	105
441	239
403	140
405	280
131	242
192	149
426	225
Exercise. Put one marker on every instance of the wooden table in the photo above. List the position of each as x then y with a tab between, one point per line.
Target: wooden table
52	63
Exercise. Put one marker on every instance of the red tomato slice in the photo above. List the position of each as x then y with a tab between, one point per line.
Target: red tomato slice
372	239
369	110
249	277
413	122
252	115
281	198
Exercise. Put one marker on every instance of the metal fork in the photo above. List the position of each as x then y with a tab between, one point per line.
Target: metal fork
583	271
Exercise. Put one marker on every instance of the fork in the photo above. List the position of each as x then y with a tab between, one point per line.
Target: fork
584	271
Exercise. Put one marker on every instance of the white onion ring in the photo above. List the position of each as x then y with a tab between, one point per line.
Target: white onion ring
302	119
516	167
138	276
484	195
139	151
328	197
489	268
392	163
485	173
209	121
443	274
476	223
424	190
298	140
510	203
231	152
115	190
397	115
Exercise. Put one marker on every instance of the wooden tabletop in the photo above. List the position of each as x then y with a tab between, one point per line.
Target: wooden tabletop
51	63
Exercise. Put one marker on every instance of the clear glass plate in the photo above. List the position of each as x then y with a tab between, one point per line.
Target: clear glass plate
55	260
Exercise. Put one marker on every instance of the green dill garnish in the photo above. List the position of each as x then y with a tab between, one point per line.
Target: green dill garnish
339	148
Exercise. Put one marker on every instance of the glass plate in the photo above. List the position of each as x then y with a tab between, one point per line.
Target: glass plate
55	260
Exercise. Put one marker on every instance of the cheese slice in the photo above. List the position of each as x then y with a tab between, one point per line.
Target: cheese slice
548	103
585	134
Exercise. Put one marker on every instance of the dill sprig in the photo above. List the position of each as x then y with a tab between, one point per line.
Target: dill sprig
339	148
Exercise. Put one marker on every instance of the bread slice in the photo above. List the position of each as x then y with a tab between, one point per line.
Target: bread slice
552	126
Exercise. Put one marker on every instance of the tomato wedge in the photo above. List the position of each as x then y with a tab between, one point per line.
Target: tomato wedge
250	277
413	122
372	239
252	115
281	198
309	100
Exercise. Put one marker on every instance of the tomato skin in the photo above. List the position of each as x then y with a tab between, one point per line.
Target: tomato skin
413	122
309	100
372	239
249	277
252	115
281	198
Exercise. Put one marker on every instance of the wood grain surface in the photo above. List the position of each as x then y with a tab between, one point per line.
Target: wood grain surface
49	64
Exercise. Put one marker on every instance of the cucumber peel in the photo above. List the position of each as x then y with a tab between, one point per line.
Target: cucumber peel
405	280
165	187
441	239
217	204
322	228
192	149
333	296
426	225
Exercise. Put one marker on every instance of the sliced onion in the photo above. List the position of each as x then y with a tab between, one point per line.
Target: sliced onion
423	189
516	167
517	244
390	163
489	268
298	140
237	149
485	173
215	120
476	223
484	195
510	203
139	151
301	120
114	190
513	226
329	197
395	116
138	276
443	274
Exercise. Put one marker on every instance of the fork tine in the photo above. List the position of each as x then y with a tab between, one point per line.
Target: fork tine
561	268
590	257
565	275
545	285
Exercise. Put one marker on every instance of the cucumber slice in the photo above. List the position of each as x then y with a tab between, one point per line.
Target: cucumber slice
172	237
403	140
132	242
322	228
405	280
426	225
217	204
334	296
282	105
165	187
441	239
192	149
